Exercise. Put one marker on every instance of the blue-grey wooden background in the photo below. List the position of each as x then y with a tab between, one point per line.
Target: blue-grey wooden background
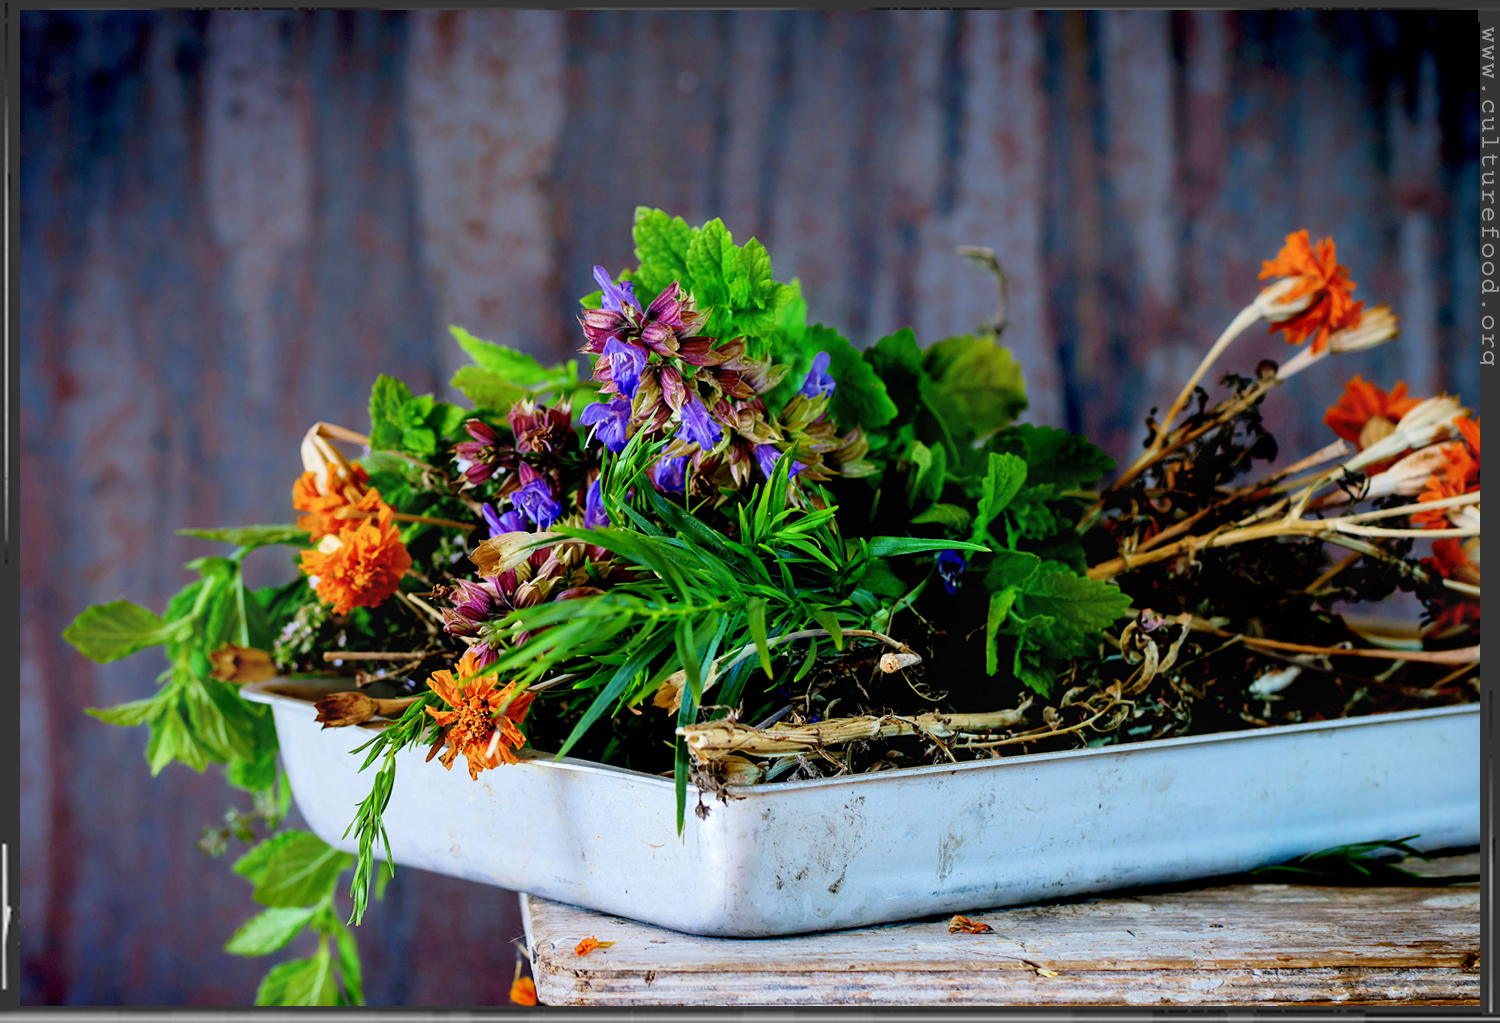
231	222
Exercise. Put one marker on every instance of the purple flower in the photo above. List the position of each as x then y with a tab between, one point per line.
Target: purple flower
950	565
697	426
670	475
510	522
625	365
611	422
616	296
535	500
767	455
818	382
594	515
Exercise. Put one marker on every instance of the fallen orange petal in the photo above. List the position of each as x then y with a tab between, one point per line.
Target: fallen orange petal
586	946
523	991
963	923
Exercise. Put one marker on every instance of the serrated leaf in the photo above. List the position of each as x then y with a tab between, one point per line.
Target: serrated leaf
269	930
1005	476
252	536
509	364
1080	608
108	632
252	865
254	775
859	397
661	247
973	384
486	388
419	440
1066	460
711	258
1010	570
300	982
126	715
387	397
301	872
949	516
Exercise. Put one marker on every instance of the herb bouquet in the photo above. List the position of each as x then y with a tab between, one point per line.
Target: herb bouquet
740	550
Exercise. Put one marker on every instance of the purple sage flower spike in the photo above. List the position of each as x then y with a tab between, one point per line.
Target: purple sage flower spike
611	422
616	296
625	364
510	522
767	456
594	515
698	426
536	502
818	382
670	475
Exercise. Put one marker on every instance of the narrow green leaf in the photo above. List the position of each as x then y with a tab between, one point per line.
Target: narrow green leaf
1000	604
755	617
252	536
829	621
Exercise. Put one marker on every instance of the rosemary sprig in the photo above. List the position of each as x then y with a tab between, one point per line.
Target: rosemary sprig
410	730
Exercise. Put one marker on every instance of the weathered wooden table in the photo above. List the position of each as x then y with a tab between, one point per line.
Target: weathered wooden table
1243	943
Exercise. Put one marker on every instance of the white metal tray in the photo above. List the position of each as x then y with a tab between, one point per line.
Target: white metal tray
850	852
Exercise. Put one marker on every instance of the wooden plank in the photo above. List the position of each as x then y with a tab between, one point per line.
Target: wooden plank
1262	943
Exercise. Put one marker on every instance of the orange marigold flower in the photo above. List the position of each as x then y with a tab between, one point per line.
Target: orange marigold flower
1332	306
1459	475
470	727
323	499
523	991
1470	430
1366	413
362	564
1449	559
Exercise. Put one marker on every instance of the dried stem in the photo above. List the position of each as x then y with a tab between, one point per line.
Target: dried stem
330	656
715	740
1462	655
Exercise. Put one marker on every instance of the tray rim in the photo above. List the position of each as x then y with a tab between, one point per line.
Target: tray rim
265	693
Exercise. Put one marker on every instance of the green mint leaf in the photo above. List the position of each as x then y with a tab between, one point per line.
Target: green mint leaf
486	388
1010	570
949	516
387	398
711	258
419	441
350	969
1079	608
108	632
252	865
859	397
1002	481
300	982
661	248
416	411
975	386
254	775
1066	460
1028	515
269	930
301	872
509	364
127	715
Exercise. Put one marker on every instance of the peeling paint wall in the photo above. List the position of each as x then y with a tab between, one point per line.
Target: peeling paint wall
231	221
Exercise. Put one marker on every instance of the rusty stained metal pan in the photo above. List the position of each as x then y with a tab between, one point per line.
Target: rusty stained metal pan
830	853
